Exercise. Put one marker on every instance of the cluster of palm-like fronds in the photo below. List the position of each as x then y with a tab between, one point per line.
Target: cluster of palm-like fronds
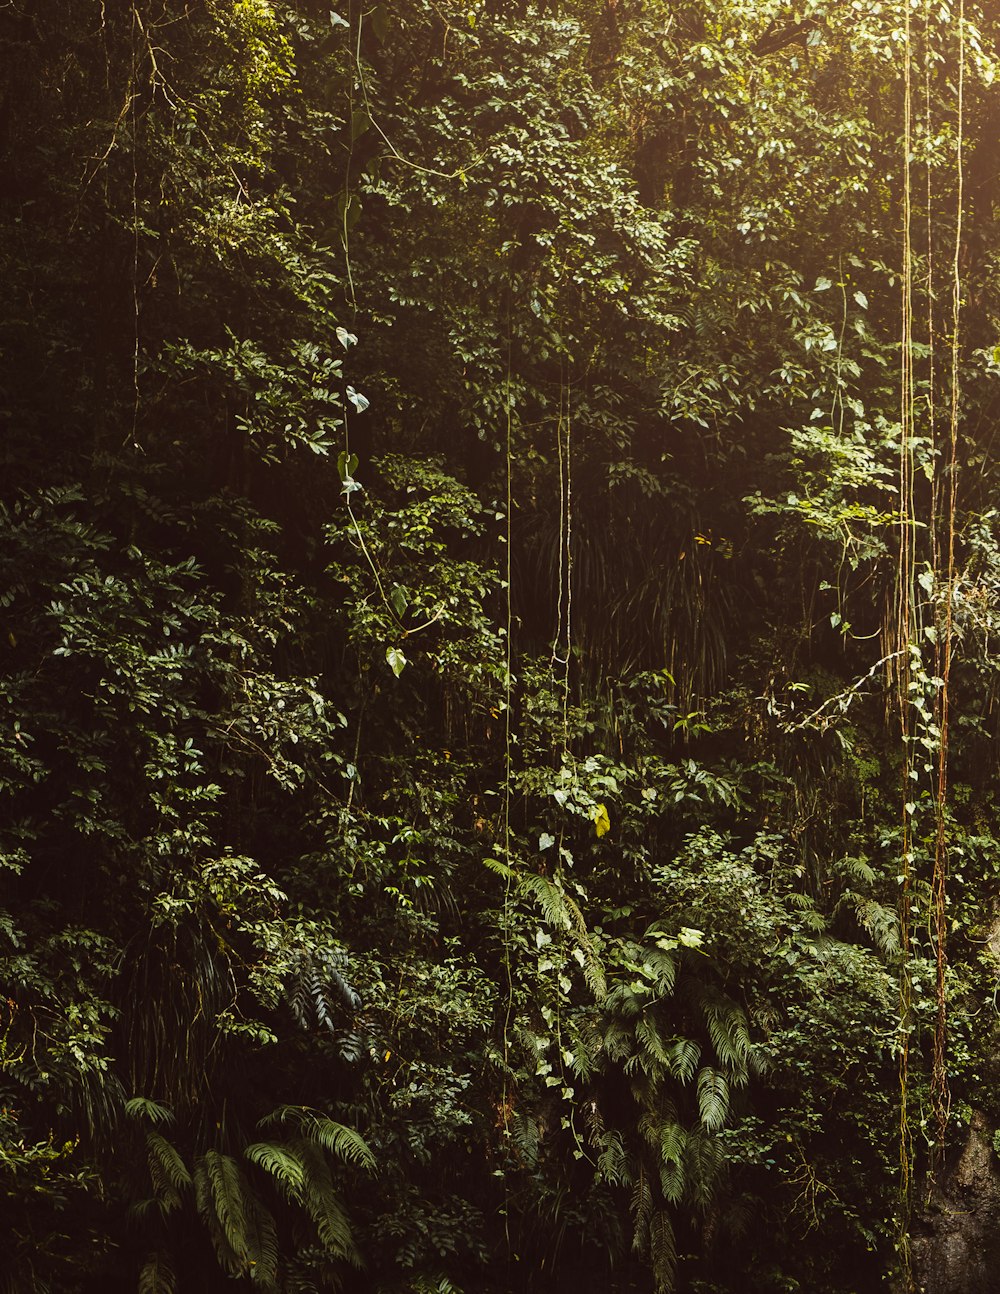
233	1201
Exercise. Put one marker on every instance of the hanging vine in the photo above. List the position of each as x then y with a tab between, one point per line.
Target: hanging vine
940	1094
903	640
923	697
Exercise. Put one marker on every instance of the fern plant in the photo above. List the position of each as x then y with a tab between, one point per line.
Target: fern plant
680	1085
230	1194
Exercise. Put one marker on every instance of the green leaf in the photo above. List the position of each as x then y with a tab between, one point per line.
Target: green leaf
550	897
396	660
165	1162
380	22
399	599
157	1275
141	1107
281	1163
227	1201
713	1099
347	465
683	1054
346	1143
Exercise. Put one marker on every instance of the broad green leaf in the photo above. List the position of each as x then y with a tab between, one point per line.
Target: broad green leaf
396	660
347	465
380	22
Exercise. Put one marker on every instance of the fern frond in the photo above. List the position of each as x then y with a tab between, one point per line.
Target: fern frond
202	1190
662	1251
550	897
593	973
662	966
228	1260
281	1163
881	923
299	1000
264	1246
673	1139
672	1182
169	1164
597	1129
323	1205
713	1099
633	1064
586	1043
593	968
501	869
230	1201
642	1211
157	1275
618	1040
683	1055
704	1160
316	985
347	1144
623	1000
242	1229
524	1134
861	870
653	1045
612	1162
141	1107
730	1034
739	1217
332	1225
649	1127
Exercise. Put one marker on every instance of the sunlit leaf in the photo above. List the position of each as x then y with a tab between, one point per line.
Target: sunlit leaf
396	660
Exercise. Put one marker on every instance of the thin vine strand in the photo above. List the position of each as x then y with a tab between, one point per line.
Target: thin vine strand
904	641
940	1094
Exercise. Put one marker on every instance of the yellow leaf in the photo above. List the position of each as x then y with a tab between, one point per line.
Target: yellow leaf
602	823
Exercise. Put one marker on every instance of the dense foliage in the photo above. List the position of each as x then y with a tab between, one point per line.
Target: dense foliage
462	557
